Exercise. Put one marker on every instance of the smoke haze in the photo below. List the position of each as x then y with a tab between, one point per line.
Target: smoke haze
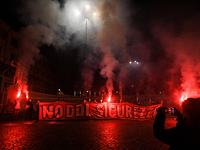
185	49
162	36
110	37
49	23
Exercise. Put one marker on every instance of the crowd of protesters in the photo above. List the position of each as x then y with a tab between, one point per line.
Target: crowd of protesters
14	108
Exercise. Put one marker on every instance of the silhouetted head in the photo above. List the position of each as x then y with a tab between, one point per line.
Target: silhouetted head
191	112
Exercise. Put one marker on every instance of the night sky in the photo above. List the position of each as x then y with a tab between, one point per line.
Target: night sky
163	36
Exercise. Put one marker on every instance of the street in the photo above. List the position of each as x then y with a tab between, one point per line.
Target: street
81	134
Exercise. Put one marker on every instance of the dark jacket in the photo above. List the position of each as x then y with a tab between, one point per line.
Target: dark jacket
179	137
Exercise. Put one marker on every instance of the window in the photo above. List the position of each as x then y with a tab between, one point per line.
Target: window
2	34
37	71
31	67
12	56
14	42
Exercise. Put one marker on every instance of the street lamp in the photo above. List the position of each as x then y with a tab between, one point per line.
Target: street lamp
86	24
86	55
85	13
134	63
87	7
77	12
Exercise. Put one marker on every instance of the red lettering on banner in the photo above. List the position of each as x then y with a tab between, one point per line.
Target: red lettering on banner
106	110
120	112
112	111
70	111
87	110
59	111
150	112
79	110
47	112
143	113
136	112
64	111
155	112
129	111
100	110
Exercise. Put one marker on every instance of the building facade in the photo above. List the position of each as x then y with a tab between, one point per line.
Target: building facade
41	79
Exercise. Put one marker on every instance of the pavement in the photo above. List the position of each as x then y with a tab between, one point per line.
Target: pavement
81	134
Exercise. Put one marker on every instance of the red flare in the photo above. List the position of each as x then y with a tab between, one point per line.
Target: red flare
19	93
27	95
109	97
186	95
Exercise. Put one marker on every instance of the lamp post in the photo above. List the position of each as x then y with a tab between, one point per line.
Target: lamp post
86	55
86	15
87	7
134	64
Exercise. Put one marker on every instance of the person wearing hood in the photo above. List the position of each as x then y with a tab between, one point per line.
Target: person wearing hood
186	134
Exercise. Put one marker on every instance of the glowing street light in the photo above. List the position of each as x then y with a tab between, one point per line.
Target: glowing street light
94	13
87	14
77	12
134	63
87	6
86	55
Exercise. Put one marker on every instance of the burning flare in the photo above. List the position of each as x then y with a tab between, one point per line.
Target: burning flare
19	79
186	95
109	97
26	94
19	93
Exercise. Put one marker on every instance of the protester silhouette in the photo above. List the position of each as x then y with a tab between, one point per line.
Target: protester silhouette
186	134
29	109
16	108
37	110
8	106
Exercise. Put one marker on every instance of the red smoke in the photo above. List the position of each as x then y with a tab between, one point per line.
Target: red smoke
184	47
20	80
110	37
